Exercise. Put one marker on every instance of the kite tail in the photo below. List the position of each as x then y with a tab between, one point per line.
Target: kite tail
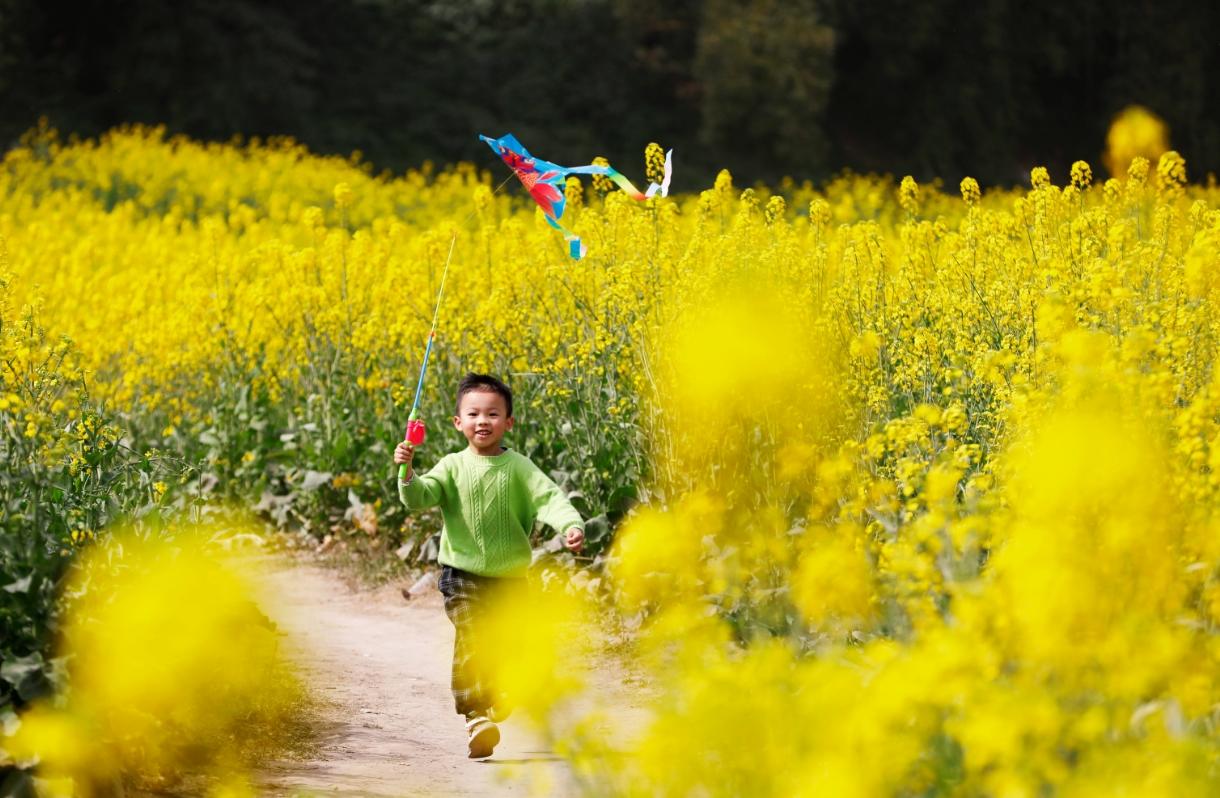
627	186
545	182
620	180
576	247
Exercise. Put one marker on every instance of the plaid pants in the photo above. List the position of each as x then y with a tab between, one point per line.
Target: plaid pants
467	599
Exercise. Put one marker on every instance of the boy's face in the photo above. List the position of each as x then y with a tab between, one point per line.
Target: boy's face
483	418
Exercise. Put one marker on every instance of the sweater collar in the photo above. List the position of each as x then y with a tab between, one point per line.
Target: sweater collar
495	461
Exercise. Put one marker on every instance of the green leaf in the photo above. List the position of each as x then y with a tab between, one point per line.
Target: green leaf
579	501
19	784
341	446
621	499
597	529
26	675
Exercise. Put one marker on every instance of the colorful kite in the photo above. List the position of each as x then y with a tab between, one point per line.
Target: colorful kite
545	182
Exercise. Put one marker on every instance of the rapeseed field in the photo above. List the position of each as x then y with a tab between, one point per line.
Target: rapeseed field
904	489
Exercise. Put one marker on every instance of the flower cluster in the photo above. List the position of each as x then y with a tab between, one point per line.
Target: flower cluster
897	470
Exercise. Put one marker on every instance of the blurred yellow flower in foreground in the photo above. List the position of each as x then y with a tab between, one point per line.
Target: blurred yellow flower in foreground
173	668
1093	516
833	580
538	640
1135	133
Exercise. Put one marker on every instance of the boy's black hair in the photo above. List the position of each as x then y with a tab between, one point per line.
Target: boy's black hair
484	382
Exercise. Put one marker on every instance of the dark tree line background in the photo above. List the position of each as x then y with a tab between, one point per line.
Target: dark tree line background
765	87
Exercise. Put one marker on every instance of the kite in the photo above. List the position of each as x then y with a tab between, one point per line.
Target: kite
545	182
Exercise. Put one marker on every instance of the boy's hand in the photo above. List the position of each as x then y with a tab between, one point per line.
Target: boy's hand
574	539
403	453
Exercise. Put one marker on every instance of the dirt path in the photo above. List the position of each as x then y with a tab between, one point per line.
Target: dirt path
380	669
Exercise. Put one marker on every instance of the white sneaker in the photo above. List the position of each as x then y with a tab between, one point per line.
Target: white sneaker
483	737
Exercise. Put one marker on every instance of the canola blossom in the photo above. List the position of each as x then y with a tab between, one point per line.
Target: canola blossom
173	671
901	491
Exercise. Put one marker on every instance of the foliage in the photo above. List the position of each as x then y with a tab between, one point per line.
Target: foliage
290	378
766	72
68	473
897	469
1001	569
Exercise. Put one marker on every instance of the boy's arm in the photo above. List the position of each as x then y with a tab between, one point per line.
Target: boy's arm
426	490
550	503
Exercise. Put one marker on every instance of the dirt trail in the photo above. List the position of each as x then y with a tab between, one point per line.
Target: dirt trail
380	669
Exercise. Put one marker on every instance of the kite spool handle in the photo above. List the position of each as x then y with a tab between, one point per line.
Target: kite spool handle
416	434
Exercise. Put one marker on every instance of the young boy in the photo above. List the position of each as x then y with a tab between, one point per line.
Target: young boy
489	497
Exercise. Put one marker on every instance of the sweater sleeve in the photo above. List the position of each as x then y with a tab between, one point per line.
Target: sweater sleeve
427	490
550	504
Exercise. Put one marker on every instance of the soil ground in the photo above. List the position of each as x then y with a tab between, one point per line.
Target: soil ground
378	667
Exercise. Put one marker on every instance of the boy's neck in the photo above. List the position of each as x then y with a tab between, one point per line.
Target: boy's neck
498	451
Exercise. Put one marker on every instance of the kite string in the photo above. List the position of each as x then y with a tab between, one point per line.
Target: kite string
441	293
436	313
444	272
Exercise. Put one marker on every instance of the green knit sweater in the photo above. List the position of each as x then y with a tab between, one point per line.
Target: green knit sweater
489	505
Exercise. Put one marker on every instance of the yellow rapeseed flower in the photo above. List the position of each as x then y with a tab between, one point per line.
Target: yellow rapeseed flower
1082	175
908	195
970	191
1136	132
654	162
